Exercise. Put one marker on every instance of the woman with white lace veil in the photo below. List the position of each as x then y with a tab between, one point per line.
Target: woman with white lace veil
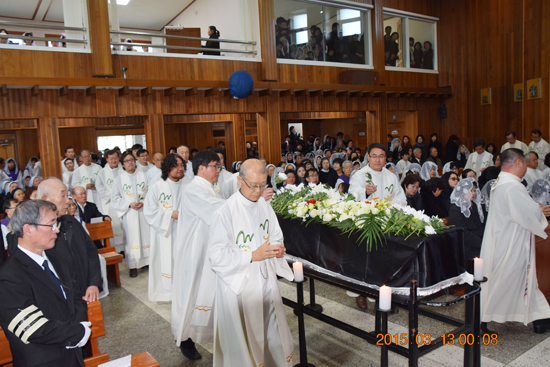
391	167
413	168
539	191
450	167
274	178
462	155
395	148
466	212
317	144
485	196
429	170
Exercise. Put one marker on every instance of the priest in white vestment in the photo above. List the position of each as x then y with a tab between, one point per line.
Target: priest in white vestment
86	176
247	254
539	146
512	142
161	212
193	281
142	162
532	174
479	159
382	184
224	175
508	250
183	151
127	198
153	175
104	185
68	174
69	155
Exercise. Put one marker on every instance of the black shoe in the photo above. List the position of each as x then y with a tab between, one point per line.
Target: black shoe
541	326
484	330
189	351
133	273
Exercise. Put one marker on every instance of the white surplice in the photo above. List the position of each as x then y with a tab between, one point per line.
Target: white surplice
67	179
224	176
85	175
132	188
386	182
143	168
532	175
193	281
508	252
542	148
64	168
152	175
229	186
250	326
104	186
478	161
162	199
518	145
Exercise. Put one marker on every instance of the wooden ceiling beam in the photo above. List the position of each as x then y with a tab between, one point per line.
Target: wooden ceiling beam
91	91
315	93
286	93
64	90
301	93
123	91
342	93
4	90
191	92
265	92
329	93
147	91
170	92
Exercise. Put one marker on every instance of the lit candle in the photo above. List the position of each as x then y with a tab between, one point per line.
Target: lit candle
385	298
298	271
478	269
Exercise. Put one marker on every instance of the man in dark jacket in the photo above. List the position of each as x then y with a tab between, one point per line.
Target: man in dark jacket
43	316
86	209
73	245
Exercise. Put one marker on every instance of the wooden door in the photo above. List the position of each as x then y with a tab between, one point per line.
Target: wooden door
8	147
401	123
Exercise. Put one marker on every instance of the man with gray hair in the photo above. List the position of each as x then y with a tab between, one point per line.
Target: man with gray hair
508	250
246	252
86	176
43	316
183	151
73	244
417	156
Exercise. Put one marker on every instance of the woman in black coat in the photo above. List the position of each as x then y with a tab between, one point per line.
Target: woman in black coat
418	54
466	212
327	175
432	199
451	148
434	143
410	186
428	58
213	33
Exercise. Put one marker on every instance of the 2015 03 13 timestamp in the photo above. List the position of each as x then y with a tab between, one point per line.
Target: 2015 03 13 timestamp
427	339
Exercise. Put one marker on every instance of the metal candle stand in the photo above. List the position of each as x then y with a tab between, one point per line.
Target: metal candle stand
299	311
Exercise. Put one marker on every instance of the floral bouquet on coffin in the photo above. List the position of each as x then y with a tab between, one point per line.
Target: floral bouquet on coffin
371	219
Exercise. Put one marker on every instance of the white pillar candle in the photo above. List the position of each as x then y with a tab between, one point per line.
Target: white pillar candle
385	298
478	269
298	271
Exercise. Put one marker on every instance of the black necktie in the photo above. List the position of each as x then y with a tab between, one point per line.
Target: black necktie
52	276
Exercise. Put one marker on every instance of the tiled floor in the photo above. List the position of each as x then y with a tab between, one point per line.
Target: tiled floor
133	324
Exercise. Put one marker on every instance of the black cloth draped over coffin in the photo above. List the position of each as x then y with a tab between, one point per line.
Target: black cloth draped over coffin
395	262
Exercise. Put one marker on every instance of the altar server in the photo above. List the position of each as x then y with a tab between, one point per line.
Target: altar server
104	184
194	281
224	174
532	174
69	155
480	158
382	184
127	198
508	250
539	146
86	176
247	254
512	142
142	162
160	210
68	171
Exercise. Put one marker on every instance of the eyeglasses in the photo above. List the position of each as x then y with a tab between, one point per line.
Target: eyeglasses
54	226
218	168
261	187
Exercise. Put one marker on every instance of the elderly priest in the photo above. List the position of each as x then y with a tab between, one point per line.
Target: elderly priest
508	250
42	313
246	252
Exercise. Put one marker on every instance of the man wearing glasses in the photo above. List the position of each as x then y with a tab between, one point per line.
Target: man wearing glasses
193	281
42	314
127	197
246	252
86	176
374	181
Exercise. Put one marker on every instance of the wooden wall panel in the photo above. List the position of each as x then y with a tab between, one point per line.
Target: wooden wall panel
48	145
79	138
267	34
154	134
27	146
45	64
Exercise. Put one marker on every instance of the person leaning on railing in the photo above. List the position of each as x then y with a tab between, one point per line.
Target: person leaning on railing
214	34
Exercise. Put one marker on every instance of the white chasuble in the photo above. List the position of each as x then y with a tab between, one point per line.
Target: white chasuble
542	148
224	176
229	186
508	252
532	175
104	186
85	175
161	200
386	182
193	281
250	326
478	161
132	188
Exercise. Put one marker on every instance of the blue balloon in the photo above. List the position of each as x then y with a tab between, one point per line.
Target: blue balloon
240	84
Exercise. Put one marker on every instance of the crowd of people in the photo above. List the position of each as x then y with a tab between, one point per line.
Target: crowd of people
334	47
200	226
421	56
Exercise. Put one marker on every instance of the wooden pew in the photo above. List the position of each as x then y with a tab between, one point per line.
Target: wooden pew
95	316
104	231
97	360
5	352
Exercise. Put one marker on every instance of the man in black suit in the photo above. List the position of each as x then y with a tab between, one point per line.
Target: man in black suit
41	313
417	156
86	210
